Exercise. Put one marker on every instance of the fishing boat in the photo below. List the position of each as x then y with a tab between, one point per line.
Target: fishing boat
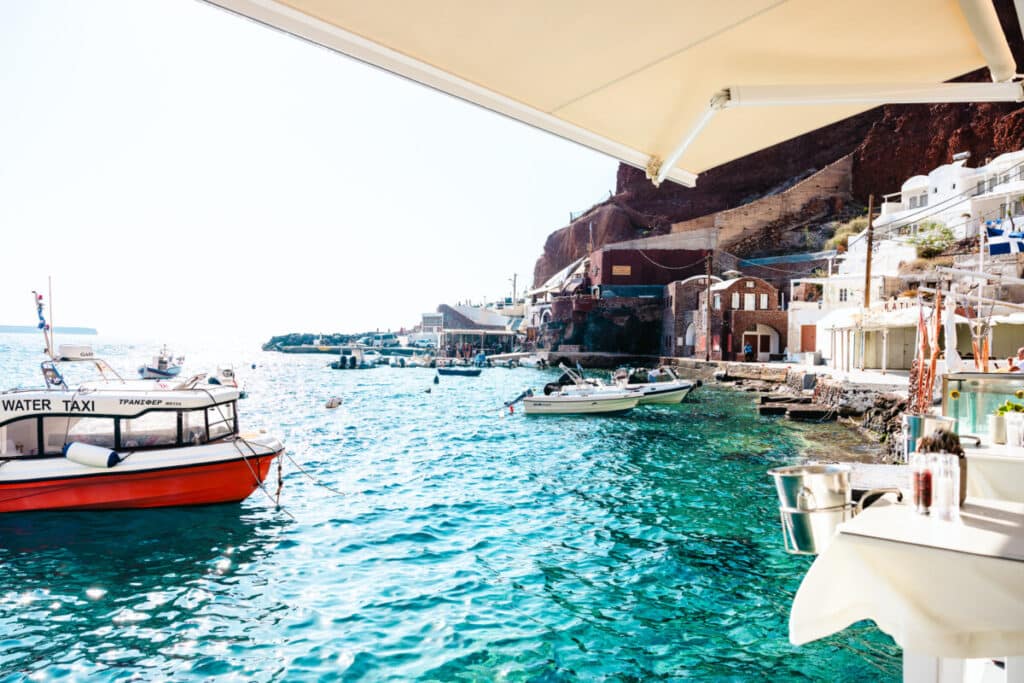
163	366
661	386
459	371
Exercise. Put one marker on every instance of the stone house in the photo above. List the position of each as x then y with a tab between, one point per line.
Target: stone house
743	310
682	317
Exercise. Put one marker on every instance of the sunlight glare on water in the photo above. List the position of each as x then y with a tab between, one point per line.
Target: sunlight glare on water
466	544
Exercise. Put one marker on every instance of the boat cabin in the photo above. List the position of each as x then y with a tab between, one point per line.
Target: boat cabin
112	412
42	423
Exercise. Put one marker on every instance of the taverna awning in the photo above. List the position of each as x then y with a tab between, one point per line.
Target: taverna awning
671	87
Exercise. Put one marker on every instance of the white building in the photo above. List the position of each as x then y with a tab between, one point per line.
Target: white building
956	196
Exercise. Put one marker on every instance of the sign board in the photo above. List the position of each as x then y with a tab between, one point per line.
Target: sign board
622	270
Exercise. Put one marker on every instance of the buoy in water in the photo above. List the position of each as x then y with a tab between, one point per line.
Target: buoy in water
437	380
333	402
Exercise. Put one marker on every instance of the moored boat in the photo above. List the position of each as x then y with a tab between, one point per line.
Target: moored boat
163	366
582	403
661	386
115	443
459	371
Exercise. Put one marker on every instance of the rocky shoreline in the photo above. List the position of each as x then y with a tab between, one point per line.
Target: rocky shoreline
874	410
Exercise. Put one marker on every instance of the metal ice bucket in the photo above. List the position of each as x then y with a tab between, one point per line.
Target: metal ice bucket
813	500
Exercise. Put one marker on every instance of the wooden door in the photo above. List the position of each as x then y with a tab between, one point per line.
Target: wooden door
808	337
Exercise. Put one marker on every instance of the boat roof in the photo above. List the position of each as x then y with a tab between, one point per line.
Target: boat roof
110	399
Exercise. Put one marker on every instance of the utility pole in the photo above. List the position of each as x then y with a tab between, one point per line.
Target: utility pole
871	246
707	307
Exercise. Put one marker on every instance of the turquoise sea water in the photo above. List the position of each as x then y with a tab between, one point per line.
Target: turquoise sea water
465	544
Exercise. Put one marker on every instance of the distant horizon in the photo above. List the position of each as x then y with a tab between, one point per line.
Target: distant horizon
63	329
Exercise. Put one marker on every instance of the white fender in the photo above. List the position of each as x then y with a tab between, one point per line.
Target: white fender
93	456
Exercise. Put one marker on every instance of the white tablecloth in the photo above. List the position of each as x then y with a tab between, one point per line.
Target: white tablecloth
937	588
993	473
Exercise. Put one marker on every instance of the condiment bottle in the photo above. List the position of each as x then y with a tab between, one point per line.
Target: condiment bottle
921	483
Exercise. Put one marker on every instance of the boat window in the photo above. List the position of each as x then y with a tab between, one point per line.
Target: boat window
156	428
20	437
58	431
221	419
193	427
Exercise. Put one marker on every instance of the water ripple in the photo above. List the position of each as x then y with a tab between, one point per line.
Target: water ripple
468	544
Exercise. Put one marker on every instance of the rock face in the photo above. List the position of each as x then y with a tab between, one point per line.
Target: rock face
889	144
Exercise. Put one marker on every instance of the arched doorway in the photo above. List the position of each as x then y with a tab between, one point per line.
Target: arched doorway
690	340
764	339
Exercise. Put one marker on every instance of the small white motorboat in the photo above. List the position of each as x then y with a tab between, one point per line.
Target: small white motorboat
661	386
597	402
533	361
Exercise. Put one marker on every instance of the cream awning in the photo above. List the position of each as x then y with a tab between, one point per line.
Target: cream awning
635	80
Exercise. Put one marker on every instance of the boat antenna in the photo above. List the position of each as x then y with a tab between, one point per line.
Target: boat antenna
43	325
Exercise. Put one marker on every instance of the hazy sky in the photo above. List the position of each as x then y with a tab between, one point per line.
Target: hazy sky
179	170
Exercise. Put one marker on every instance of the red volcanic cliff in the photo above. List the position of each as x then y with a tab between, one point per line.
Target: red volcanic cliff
889	144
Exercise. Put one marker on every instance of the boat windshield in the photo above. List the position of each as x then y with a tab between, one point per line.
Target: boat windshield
72	373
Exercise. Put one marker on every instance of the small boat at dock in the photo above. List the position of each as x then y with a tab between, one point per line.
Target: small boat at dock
662	386
595	402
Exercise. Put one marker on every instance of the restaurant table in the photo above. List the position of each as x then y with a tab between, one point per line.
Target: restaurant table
945	591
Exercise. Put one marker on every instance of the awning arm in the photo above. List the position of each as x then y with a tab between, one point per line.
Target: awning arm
988	34
850	94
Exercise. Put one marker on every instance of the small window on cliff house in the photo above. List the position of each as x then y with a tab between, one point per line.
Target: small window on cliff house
764	302
913	203
735	300
1005	178
718	302
981	185
991	183
842	294
750	283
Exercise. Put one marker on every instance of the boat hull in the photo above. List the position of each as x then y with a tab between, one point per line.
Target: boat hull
157	373
579	405
670	396
220	481
459	372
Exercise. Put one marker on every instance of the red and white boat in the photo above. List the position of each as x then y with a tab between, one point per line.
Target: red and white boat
115	443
